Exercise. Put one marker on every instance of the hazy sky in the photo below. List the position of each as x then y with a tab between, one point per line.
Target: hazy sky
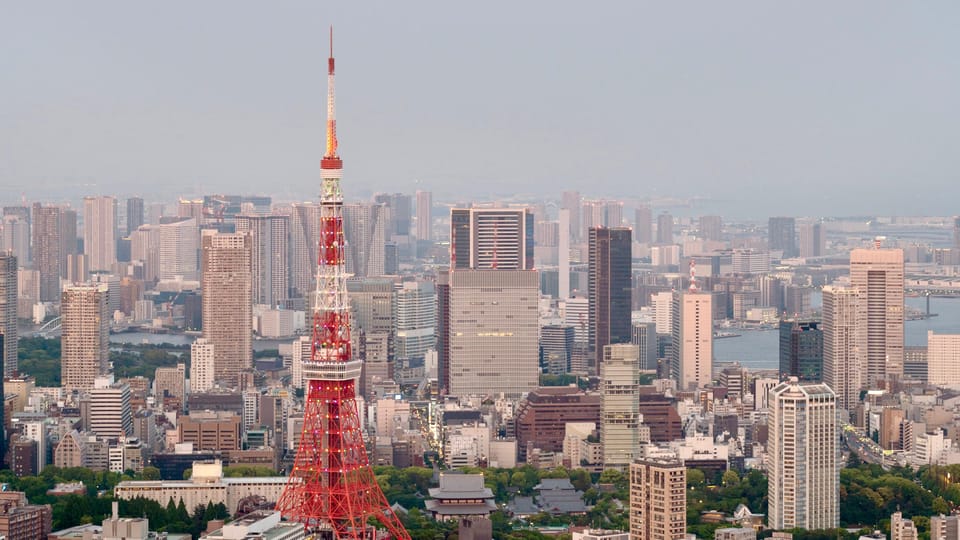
801	108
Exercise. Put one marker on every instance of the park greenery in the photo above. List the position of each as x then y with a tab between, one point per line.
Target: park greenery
40	357
95	505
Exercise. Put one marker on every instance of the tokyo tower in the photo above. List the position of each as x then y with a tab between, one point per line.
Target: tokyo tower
332	489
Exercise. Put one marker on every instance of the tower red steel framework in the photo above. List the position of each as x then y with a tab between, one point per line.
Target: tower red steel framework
332	489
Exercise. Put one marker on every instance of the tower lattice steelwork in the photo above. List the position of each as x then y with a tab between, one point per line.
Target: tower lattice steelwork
332	489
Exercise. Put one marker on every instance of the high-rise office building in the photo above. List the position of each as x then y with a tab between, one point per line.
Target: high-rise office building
491	238
662	303
400	207
813	240
365	232
619	405
270	256
135	215
842	356
563	254
491	328
691	362
711	227
304	241
170	382
373	304
570	200
801	350
109	411
802	457
424	215
878	275
664	228
228	303
644	336
48	250
416	319
643	224
956	232
16	238
782	235
68	238
556	348
610	288
658	499
145	249
943	359
591	215
8	313
100	232
84	335
201	366
179	242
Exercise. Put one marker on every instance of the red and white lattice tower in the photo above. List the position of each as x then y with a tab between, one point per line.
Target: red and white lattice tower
332	489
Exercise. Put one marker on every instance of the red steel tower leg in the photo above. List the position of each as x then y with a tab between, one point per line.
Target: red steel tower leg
332	489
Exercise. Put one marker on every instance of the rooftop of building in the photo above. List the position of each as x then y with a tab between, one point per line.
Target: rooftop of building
461	486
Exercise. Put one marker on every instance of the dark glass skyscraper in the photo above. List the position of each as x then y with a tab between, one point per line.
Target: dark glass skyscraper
801	350
610	289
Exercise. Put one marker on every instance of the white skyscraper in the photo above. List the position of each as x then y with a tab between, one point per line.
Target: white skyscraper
269	259
577	314
842	357
802	457
100	232
662	303
145	248
201	366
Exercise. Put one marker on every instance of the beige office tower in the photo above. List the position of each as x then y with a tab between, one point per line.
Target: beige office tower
878	275
201	366
84	335
802	457
170	382
493	331
100	232
943	359
269	241
658	499
842	358
619	405
692	338
227	303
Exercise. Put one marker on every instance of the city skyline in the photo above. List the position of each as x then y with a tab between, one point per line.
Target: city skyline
185	115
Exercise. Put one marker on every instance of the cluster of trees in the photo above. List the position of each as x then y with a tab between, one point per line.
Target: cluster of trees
95	505
143	360
40	357
723	494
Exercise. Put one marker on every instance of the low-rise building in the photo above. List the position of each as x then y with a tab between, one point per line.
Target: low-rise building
206	485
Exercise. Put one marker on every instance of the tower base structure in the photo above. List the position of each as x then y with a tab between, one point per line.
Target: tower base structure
332	488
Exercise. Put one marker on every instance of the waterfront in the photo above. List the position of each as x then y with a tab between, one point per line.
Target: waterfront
760	349
754	349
